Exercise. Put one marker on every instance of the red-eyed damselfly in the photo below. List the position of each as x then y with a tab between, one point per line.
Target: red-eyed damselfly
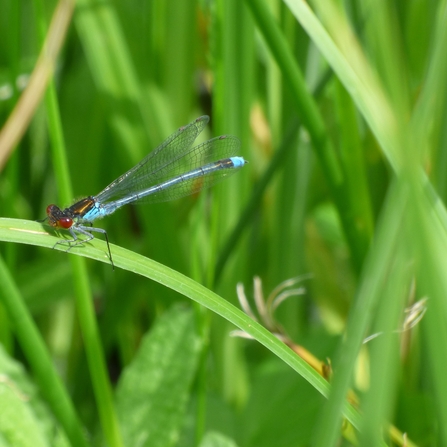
175	169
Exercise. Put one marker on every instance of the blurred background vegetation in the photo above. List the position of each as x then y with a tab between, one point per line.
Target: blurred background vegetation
341	112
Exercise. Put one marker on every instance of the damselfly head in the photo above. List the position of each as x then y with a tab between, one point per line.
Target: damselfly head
57	218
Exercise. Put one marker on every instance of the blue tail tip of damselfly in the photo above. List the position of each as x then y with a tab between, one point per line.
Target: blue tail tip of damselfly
238	162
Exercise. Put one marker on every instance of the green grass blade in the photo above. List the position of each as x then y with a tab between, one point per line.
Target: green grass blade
354	72
375	272
14	230
37	354
101	384
313	122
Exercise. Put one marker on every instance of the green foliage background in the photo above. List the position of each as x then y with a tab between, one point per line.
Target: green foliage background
341	109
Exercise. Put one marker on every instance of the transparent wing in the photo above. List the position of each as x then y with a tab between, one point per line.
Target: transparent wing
154	166
219	148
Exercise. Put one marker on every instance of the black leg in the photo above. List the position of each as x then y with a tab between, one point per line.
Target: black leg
86	231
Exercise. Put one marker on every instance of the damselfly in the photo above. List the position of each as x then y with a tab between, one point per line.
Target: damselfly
175	169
